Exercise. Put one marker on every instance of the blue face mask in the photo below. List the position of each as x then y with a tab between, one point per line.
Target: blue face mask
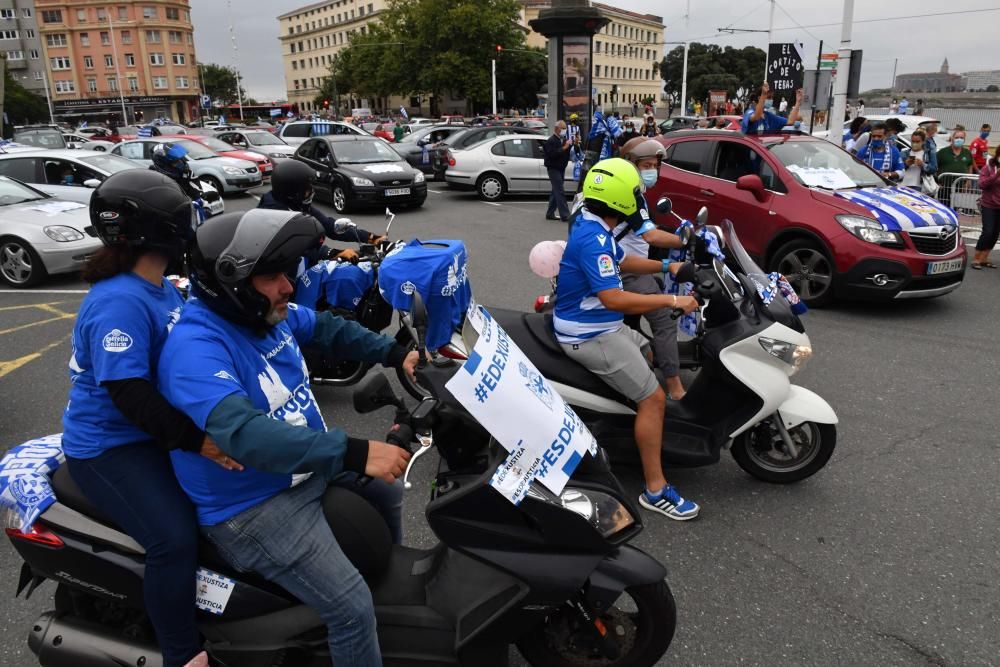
649	177
798	125
984	135
768	104
878	144
959	142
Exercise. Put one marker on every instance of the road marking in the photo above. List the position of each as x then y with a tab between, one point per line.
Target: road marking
254	196
32	305
7	367
59	315
492	203
437	192
44	291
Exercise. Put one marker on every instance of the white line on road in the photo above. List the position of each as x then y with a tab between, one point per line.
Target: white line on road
43	291
437	192
491	203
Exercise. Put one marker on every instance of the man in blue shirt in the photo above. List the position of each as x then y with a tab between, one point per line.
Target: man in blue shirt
233	364
882	155
761	117
590	304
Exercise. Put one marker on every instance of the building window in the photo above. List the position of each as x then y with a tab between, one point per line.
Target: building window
173	14
29	34
133	84
370	7
149	12
129	60
123	13
153	36
102	15
105	39
155	58
12	34
182	82
38	76
65	87
51	16
179	59
8	13
112	83
33	54
84	39
174	37
26	12
295	65
60	63
159	82
191	38
291	47
15	55
92	85
126	36
88	62
109	61
81	15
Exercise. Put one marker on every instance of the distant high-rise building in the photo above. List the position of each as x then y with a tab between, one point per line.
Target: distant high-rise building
982	79
21	44
930	82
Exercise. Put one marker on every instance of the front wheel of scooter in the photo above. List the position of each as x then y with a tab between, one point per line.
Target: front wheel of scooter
762	452
641	623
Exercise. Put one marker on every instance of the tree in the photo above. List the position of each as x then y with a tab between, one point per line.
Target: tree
219	83
992	88
22	105
520	75
737	71
437	46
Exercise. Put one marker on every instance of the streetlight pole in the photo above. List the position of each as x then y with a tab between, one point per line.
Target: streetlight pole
892	84
843	74
118	73
494	86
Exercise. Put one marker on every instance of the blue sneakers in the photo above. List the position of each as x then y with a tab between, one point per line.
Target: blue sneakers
670	504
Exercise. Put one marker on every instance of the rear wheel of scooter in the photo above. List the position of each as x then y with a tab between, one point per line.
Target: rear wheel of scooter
762	452
412	387
642	622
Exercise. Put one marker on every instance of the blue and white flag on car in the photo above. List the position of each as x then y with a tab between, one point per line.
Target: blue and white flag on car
900	208
145	132
82	125
402	111
24	477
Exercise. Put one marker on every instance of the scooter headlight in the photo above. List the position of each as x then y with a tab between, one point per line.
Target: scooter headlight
790	353
604	512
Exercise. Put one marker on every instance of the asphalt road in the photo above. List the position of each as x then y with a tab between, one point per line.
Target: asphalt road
889	556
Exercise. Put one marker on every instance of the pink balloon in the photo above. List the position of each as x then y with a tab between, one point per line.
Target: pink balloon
545	257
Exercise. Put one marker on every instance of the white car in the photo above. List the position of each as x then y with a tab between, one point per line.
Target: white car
505	164
296	132
419	121
40	235
87	142
225	174
260	141
64	173
942	138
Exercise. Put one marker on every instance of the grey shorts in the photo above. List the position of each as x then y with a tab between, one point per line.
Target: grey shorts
618	358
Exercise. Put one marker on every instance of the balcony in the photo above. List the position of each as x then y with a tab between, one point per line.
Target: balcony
19	63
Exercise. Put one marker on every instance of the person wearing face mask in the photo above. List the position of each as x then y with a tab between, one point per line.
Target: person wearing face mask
915	160
989	183
556	149
882	156
649	129
629	133
980	147
761	118
858	127
952	160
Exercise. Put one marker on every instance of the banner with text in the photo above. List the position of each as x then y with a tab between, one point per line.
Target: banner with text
784	71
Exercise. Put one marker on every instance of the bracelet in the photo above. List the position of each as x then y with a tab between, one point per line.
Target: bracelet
675	300
666	265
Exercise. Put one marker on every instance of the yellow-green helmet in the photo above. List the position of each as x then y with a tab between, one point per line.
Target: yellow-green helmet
615	183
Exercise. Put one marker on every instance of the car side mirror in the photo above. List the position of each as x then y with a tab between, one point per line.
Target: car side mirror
91	182
702	217
664	205
752	184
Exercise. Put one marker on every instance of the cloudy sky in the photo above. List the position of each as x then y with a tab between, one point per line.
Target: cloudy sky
919	43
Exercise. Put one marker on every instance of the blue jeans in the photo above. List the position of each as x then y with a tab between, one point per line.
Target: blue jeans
558	197
135	486
287	540
387	499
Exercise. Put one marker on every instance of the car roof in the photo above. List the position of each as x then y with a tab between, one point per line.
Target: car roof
54	153
339	138
729	134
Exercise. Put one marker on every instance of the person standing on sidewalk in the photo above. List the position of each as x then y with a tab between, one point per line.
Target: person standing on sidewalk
556	150
980	147
989	183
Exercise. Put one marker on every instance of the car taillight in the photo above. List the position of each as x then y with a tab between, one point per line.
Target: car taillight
541	302
451	159
37	535
452	352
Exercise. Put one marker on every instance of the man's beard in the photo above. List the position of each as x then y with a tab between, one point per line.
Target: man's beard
277	314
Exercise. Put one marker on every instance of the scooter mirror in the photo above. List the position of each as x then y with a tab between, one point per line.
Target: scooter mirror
343	225
684	233
664	205
702	216
686	274
373	393
389	217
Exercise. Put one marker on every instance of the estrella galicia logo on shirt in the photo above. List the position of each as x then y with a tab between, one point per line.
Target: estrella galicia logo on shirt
407	288
117	341
605	266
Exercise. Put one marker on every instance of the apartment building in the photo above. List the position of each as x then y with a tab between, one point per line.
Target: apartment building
21	44
99	53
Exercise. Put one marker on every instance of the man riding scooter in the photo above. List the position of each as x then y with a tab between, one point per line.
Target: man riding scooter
588	321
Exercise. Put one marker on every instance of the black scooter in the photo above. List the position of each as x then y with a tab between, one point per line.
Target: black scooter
549	575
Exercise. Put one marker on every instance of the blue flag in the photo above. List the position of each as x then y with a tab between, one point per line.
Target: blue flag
402	110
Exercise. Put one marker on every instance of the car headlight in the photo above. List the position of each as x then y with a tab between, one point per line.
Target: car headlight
62	233
790	353
234	171
362	182
419	178
604	512
277	156
869	230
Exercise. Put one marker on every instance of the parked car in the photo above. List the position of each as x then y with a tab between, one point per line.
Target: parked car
259	141
505	164
40	235
133	131
452	120
811	211
70	175
468	137
678	123
296	132
423	142
356	171
228	150
942	138
732	122
417	121
94	132
39	136
225	174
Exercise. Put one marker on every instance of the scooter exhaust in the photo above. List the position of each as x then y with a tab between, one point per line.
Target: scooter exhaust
72	642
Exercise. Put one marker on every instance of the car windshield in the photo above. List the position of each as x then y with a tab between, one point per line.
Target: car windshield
264	139
356	152
110	163
417	134
195	150
217	145
40	138
823	165
12	192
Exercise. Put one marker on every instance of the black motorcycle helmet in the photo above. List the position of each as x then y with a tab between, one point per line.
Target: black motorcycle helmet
142	209
234	247
291	184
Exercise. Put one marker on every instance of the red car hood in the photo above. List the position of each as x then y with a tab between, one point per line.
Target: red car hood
250	156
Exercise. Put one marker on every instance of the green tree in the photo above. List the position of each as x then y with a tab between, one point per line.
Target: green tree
219	83
520	75
21	105
710	67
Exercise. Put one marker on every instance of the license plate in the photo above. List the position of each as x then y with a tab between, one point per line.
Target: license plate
946	266
392	192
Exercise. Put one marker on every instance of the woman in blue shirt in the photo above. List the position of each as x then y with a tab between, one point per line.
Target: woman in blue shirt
118	427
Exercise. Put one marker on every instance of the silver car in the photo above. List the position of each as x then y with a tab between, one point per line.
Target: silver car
40	235
507	164
225	174
259	141
67	174
296	132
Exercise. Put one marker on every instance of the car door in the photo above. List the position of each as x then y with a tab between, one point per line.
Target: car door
64	179
316	154
683	171
515	158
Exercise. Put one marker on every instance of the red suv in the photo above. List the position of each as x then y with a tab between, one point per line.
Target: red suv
810	210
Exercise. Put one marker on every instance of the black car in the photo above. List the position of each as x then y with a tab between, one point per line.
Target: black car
358	170
679	123
412	146
470	136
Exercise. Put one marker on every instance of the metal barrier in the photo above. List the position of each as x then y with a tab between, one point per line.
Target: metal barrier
961	192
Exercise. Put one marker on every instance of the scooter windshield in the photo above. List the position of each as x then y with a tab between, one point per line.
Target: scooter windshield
738	253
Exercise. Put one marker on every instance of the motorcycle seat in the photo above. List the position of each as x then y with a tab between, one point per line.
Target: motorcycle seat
70	495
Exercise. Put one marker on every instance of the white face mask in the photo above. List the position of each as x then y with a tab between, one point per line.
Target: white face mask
649	177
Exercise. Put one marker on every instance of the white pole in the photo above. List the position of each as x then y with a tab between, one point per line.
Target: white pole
770	36
494	86
48	98
684	81
118	73
843	74
892	84
236	58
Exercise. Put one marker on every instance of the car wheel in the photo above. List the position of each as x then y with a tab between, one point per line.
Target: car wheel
808	268
491	186
20	265
214	182
340	203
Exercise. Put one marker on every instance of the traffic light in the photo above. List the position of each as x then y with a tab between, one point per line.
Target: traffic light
326	104
499	48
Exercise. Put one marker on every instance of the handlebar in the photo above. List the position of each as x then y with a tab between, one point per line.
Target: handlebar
401	435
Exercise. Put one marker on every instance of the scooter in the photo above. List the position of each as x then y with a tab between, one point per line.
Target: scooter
748	346
555	575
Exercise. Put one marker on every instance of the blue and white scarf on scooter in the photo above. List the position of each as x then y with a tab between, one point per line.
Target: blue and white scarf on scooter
24	477
689	323
778	284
